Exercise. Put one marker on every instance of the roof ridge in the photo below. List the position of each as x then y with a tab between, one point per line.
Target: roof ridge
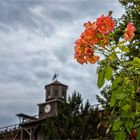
56	82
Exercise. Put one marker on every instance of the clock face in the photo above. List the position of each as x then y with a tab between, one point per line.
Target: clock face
47	108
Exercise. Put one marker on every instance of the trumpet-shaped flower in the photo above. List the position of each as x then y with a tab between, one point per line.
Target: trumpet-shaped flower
129	32
96	35
105	24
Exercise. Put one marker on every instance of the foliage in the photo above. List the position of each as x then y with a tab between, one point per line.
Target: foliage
132	13
116	67
74	121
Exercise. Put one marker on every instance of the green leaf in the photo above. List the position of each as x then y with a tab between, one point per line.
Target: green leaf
112	102
118	52
138	106
135	62
116	94
126	108
101	78
120	135
112	56
137	113
124	48
138	133
126	63
136	59
121	42
117	124
137	123
129	125
137	72
138	120
120	96
109	72
130	68
116	82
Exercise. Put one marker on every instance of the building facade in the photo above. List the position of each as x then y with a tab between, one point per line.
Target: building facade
29	127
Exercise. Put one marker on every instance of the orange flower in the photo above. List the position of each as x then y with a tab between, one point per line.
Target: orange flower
79	54
85	54
88	51
90	25
94	34
105	24
92	59
90	37
129	32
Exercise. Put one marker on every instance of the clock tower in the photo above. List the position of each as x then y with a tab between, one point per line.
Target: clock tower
55	93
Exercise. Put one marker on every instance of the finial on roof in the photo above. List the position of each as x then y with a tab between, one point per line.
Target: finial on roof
110	13
55	76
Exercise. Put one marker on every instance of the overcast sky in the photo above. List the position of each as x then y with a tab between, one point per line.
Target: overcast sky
37	40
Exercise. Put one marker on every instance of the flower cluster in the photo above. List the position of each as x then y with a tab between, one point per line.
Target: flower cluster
94	34
105	24
129	32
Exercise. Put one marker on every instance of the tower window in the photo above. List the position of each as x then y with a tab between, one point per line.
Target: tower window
49	94
56	93
63	94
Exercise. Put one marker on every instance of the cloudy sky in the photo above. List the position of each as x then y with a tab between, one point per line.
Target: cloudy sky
37	40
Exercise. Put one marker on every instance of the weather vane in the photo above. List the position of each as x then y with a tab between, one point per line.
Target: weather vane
55	76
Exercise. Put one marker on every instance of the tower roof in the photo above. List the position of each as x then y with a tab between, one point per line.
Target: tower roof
55	83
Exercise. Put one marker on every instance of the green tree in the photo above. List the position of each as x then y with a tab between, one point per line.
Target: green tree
75	120
132	13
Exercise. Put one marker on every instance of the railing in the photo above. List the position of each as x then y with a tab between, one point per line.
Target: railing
100	107
36	116
26	119
13	127
9	128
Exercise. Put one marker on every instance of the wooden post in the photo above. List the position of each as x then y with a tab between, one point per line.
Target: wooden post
21	138
30	133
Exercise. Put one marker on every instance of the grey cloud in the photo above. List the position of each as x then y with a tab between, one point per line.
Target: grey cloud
15	71
18	14
42	16
37	40
6	120
42	74
63	54
14	108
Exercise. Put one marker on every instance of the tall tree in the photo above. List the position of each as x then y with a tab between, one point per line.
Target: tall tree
75	120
